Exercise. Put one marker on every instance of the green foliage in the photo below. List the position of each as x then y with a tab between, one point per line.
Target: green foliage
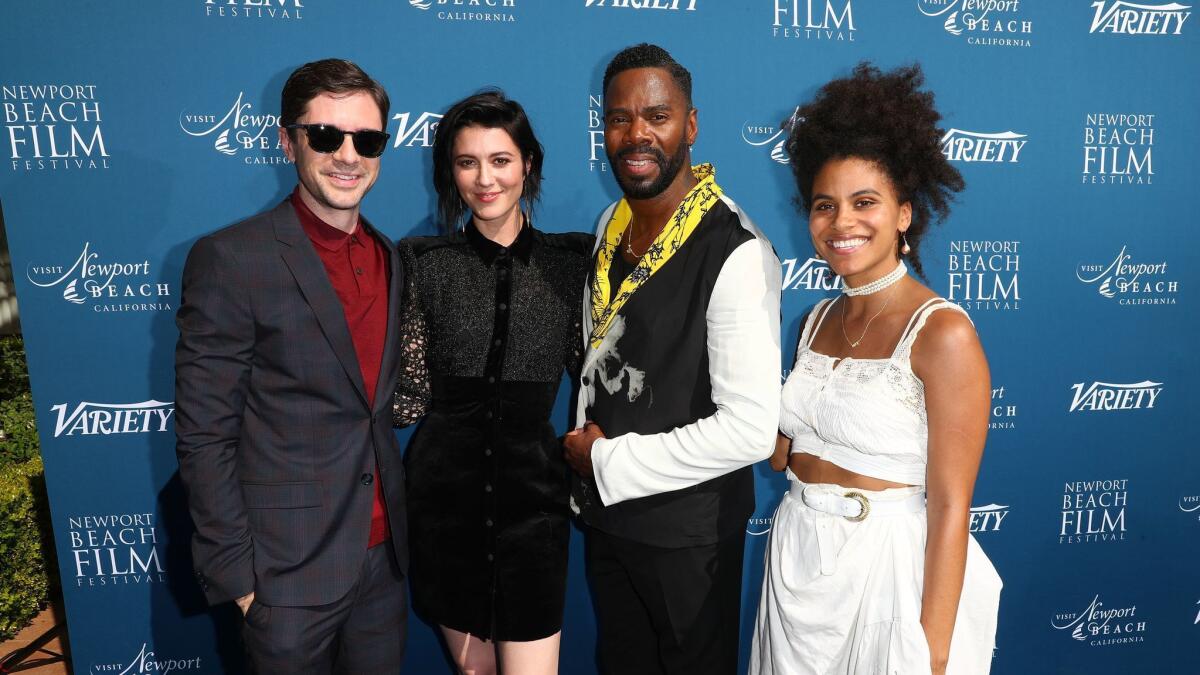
24	574
18	427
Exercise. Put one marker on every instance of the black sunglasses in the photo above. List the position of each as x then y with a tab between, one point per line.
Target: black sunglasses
327	138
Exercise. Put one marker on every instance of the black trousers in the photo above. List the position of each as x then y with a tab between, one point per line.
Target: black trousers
364	632
664	611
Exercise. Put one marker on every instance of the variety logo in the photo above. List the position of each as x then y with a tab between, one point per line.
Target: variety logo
1004	414
107	286
984	274
415	132
1118	149
146	662
758	135
239	129
597	157
813	275
987	518
1101	626
119	549
675	5
1106	396
90	419
469	10
972	146
1093	511
1132	18
1131	283
255	9
989	23
53	126
813	20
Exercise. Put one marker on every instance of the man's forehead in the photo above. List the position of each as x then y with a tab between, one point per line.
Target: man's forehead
653	85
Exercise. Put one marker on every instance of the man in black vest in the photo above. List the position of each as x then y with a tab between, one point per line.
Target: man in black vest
680	385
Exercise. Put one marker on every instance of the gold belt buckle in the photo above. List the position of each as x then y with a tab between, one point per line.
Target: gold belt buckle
863	501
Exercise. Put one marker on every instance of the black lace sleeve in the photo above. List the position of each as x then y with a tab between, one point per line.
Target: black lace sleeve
412	395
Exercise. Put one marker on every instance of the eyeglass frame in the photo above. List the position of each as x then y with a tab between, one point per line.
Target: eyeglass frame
351	134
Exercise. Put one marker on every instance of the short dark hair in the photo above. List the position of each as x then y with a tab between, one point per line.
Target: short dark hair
646	55
887	119
489	109
327	76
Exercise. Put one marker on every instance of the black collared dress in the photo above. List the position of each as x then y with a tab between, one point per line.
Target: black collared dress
487	483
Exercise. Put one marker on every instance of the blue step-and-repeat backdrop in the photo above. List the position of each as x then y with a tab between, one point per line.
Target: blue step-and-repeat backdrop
132	128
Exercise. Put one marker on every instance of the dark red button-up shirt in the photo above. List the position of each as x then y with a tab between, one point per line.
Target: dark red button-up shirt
358	269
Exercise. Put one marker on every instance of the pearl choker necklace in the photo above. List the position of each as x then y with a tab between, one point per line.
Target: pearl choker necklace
880	283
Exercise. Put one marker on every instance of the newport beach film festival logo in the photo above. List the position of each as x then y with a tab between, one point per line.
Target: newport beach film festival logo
1118	149
91	419
597	156
1121	17
146	662
284	10
1130	282
1093	511
987	23
117	549
469	10
1101	626
239	130
53	127
829	20
105	285
984	274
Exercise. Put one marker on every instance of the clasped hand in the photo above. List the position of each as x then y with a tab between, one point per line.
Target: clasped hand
577	447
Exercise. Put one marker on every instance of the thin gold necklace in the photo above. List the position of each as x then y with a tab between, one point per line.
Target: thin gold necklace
855	343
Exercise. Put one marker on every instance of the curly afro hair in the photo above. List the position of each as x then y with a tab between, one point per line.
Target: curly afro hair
885	118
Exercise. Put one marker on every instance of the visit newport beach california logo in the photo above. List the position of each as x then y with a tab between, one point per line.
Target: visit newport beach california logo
469	10
1130	282
103	284
989	23
771	136
239	130
1099	625
147	662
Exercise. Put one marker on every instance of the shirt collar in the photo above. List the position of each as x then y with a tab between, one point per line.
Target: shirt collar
488	250
320	232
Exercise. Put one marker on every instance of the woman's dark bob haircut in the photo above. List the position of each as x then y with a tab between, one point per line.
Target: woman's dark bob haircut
490	110
885	118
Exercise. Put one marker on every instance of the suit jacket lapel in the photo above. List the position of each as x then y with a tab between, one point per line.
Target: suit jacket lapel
310	275
386	383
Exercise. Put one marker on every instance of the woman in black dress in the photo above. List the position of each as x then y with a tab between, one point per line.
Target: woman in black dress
495	307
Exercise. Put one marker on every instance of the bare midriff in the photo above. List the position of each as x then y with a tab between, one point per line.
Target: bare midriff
813	469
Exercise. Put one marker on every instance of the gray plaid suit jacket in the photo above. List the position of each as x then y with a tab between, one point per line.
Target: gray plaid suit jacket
276	442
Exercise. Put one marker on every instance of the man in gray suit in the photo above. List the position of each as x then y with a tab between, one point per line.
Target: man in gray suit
284	370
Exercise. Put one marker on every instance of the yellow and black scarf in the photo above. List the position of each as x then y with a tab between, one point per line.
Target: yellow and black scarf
692	209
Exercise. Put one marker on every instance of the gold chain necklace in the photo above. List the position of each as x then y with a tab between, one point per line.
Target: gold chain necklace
855	343
629	243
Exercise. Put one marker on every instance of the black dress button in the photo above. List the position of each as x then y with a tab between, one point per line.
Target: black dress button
487	488
503	307
491	379
487	452
496	342
488	522
489	414
491	557
367	479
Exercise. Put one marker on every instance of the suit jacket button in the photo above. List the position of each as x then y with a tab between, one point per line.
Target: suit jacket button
367	479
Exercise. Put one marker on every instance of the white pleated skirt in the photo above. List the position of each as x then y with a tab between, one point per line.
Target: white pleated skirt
861	614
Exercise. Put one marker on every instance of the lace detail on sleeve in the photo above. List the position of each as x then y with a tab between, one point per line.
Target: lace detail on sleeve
412	396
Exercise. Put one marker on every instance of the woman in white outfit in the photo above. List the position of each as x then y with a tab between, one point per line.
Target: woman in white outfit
870	567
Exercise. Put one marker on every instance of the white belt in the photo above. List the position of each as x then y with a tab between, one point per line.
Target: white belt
854	505
851	505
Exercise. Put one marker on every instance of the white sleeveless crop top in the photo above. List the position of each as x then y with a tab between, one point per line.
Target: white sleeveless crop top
864	415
